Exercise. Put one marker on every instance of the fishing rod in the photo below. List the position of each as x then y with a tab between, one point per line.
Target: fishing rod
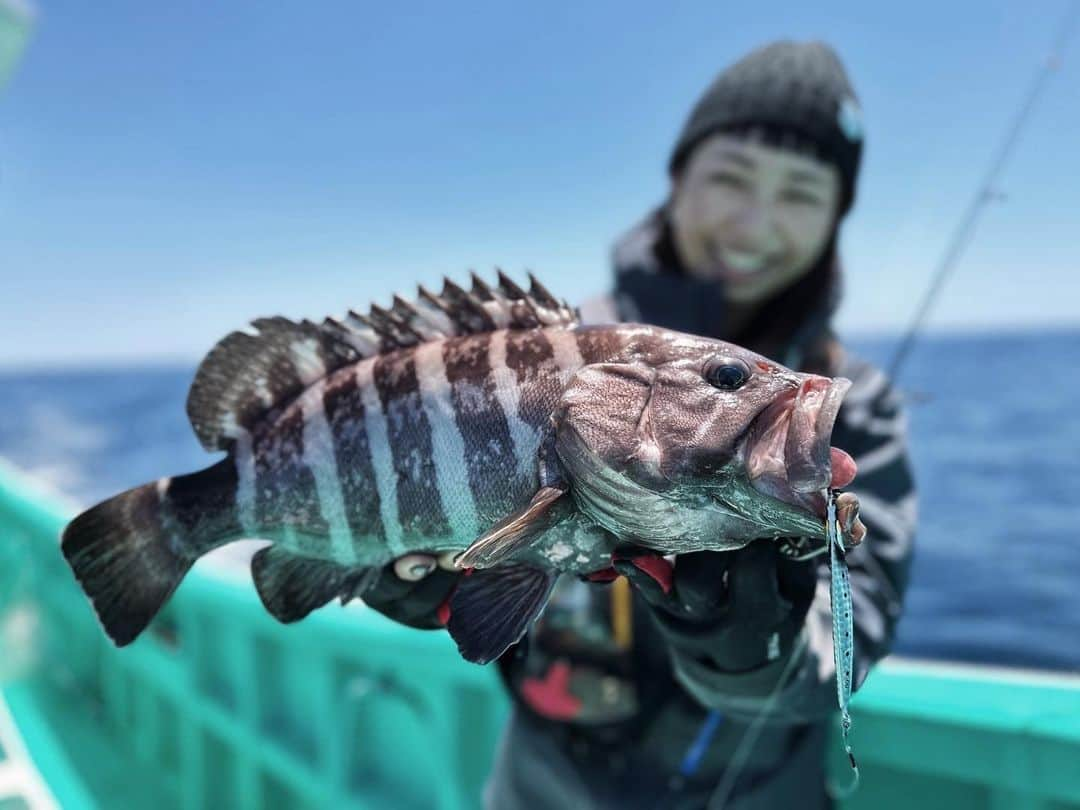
985	192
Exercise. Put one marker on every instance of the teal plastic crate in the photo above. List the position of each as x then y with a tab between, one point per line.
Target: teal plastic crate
218	705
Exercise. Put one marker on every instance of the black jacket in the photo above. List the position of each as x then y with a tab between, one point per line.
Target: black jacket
595	725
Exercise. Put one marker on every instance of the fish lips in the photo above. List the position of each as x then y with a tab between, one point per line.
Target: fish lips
807	451
788	452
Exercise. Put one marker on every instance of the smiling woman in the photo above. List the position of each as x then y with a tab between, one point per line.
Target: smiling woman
752	215
720	688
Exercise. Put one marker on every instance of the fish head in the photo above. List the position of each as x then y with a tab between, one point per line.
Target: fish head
703	439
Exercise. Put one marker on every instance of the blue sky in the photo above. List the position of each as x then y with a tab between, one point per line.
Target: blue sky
168	171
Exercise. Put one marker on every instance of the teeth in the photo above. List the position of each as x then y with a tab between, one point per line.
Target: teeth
741	261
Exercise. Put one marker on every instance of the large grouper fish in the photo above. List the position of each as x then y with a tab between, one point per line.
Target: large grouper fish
487	423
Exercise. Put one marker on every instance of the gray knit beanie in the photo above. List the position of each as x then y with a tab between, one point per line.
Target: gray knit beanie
784	90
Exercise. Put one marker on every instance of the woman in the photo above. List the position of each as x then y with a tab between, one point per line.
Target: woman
650	697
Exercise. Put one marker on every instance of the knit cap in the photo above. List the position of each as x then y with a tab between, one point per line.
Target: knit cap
791	92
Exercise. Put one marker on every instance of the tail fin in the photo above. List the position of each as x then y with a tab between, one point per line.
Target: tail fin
129	553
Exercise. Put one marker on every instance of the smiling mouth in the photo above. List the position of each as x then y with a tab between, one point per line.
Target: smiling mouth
788	453
733	265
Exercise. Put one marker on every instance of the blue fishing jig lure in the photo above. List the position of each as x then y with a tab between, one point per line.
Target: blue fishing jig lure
842	627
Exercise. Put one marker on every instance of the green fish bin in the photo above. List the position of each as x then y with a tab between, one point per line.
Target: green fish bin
218	705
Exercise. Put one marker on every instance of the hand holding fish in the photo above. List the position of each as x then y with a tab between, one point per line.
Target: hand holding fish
736	610
415	590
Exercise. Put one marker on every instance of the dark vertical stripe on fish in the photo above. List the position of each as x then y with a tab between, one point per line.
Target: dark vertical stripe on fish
490	457
420	508
203	505
285	492
564	346
530	357
344	408
599	344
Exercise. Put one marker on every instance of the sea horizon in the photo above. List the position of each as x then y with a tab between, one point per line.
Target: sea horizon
857	338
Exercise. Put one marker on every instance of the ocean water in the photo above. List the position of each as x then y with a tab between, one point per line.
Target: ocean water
995	440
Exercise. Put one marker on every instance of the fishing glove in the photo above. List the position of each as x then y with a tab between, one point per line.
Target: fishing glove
415	602
733	611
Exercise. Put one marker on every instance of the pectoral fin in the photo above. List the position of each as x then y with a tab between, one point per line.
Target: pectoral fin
516	531
494	607
547	507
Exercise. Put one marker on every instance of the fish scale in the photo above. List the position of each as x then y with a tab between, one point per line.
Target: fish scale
484	394
444	454
409	437
346	415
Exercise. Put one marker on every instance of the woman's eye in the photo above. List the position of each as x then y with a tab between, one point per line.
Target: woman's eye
800	198
726	373
726	179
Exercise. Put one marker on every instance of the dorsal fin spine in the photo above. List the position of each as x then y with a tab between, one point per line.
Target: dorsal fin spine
509	288
538	292
480	288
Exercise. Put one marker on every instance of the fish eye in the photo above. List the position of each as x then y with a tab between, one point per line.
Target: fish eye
726	373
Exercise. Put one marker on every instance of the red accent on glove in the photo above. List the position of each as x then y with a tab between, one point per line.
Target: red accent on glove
603	575
656	567
442	612
550	695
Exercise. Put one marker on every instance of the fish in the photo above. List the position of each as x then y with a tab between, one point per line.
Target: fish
484	425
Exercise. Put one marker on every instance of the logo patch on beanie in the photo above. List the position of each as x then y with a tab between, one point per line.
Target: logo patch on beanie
849	118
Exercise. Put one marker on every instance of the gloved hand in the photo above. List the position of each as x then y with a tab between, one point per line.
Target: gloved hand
734	610
413	590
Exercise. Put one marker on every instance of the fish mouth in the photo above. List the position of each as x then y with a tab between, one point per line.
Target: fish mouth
788	452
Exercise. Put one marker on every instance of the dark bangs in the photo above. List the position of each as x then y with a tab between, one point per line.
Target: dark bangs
780	137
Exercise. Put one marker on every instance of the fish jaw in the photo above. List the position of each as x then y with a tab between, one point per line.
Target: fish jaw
767	515
787	453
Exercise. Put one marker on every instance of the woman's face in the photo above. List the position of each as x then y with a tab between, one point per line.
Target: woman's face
751	215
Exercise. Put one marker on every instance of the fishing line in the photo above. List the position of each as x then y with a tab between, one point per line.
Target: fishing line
746	744
843	654
984	193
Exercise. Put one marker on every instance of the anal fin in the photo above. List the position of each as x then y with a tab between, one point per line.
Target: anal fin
492	608
290	587
357	583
